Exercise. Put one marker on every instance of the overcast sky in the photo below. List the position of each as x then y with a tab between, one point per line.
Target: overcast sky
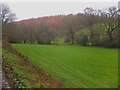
35	8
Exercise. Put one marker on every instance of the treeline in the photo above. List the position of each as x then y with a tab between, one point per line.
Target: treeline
91	28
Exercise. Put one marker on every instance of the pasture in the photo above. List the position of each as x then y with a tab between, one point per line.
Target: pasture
77	66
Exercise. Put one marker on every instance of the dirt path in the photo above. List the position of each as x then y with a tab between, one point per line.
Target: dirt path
5	83
3	80
0	78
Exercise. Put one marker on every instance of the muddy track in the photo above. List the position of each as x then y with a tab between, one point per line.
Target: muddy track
5	83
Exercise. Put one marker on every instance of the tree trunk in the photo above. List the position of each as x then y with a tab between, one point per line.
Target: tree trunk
72	40
110	36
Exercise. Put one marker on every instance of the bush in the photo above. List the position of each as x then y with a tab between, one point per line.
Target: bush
82	40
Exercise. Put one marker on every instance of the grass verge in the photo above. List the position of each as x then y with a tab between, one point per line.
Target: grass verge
21	73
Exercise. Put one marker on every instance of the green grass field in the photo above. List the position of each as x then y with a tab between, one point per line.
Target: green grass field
85	67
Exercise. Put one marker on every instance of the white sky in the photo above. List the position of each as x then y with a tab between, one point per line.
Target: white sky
25	9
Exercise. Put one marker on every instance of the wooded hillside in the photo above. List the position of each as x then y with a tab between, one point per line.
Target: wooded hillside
102	27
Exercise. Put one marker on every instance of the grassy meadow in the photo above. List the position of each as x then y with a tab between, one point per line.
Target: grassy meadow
77	66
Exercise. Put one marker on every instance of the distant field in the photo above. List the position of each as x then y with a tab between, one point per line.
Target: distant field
85	67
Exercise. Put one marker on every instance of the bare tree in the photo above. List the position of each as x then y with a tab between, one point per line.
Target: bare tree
6	14
111	21
90	11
